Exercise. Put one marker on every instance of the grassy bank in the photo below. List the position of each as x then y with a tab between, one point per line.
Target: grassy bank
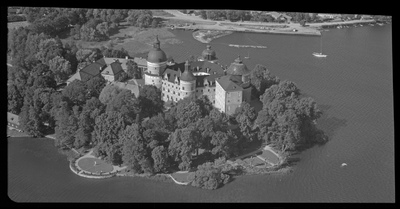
133	39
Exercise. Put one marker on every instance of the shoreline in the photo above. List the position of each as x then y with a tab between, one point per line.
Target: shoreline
214	34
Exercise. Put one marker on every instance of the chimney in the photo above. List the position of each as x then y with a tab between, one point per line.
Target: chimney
100	69
126	57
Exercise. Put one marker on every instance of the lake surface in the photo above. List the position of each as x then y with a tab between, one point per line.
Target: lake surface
353	87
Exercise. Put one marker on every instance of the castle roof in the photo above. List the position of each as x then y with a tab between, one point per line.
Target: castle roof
156	55
237	68
209	54
113	69
227	84
187	75
87	72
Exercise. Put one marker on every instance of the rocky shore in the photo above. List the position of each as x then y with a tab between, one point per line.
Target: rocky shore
206	36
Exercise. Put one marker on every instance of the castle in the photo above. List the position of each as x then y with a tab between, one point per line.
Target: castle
225	88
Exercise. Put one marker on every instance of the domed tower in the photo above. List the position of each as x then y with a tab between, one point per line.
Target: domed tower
209	55
240	72
187	82
156	64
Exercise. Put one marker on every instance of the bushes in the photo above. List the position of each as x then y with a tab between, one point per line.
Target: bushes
15	18
209	177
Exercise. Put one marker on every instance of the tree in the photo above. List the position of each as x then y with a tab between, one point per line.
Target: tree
182	144
150	101
160	158
61	68
15	99
108	93
133	70
107	130
48	49
90	111
122	77
140	18
203	14
94	86
75	32
209	176
133	149
279	91
76	91
41	77
245	116
125	103
261	79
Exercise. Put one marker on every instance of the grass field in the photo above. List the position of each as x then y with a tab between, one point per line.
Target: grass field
270	157
132	39
88	164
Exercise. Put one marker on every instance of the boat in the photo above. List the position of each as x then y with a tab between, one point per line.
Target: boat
319	54
248	56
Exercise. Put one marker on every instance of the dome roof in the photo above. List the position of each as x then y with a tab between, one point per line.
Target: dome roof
237	68
209	54
187	75
156	55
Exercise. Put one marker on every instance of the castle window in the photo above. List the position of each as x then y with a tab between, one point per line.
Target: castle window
214	89
173	92
208	90
228	101
183	88
163	88
168	90
179	94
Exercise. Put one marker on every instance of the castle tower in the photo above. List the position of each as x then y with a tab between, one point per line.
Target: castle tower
156	64
239	71
188	82
209	55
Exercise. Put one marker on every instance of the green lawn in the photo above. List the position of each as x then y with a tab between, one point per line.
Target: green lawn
88	164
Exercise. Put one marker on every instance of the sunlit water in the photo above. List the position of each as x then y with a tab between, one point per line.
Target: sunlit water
353	86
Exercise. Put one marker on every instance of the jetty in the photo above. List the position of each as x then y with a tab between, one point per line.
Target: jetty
247	46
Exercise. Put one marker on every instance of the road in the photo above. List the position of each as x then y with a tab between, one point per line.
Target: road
263	27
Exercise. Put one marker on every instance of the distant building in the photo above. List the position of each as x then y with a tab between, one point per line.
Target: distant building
366	17
329	16
279	16
88	72
105	67
112	71
13	121
226	90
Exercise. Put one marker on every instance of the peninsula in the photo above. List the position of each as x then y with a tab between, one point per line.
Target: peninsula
197	122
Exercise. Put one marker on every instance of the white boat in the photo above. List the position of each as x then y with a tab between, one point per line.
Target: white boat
248	56
319	54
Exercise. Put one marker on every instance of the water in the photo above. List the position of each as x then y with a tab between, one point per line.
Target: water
353	86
